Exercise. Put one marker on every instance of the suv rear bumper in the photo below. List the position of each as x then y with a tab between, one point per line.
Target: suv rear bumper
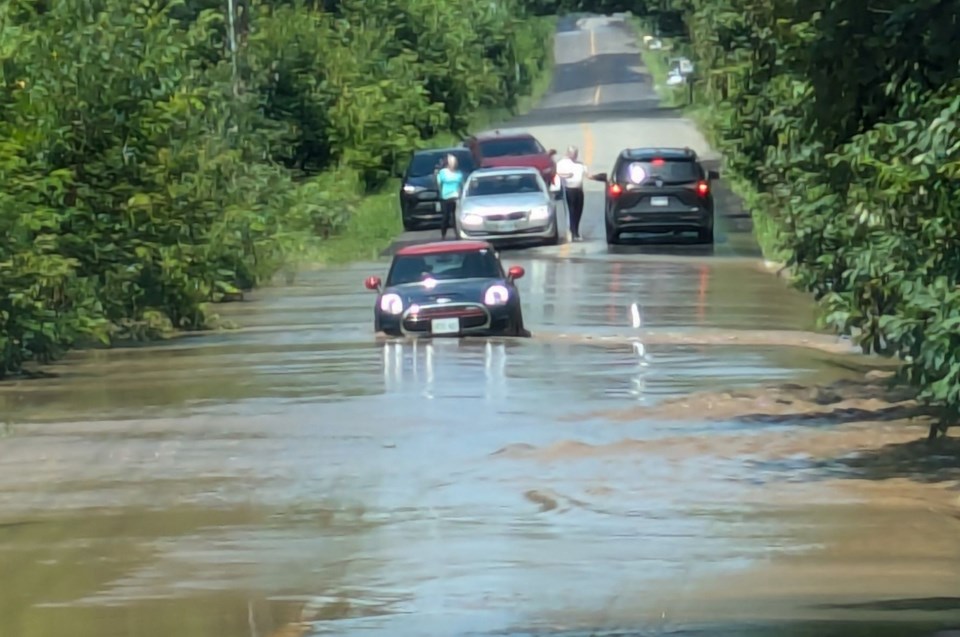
662	220
421	211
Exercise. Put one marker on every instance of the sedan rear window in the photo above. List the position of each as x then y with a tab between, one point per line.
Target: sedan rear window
481	264
511	147
503	185
668	170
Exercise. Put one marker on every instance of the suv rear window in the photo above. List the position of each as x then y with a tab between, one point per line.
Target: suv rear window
423	164
671	171
510	147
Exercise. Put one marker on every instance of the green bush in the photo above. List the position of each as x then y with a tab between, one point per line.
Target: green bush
147	171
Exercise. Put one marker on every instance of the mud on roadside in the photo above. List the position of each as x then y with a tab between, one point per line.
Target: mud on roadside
860	432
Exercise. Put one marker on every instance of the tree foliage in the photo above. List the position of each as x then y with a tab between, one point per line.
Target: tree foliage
147	171
844	117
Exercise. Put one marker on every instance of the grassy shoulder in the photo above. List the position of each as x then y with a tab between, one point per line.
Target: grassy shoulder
376	220
658	63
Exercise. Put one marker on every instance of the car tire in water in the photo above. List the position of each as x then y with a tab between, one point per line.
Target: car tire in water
706	235
517	329
613	237
554	239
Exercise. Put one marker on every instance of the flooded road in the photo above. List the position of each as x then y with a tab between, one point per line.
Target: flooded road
297	476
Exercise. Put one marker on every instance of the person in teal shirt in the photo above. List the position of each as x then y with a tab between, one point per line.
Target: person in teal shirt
450	180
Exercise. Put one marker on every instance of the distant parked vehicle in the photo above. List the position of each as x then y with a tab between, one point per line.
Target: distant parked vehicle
508	205
658	190
501	150
420	205
448	288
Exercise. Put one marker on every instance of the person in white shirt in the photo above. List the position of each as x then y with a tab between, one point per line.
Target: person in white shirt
572	173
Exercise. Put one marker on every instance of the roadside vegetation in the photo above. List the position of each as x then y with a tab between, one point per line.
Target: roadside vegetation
159	155
841	123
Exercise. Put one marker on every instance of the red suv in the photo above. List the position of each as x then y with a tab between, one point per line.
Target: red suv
501	150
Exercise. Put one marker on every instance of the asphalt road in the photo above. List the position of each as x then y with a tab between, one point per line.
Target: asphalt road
603	100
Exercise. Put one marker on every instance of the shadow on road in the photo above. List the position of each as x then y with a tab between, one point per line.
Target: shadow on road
649	108
920	603
656	246
614	68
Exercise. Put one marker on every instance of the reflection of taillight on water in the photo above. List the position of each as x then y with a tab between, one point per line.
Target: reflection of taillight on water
702	292
703	188
615	190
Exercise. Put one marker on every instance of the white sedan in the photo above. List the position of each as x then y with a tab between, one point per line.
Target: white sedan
510	205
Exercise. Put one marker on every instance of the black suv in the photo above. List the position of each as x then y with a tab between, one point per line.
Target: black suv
419	194
658	190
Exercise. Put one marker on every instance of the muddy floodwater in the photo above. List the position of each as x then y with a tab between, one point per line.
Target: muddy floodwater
298	476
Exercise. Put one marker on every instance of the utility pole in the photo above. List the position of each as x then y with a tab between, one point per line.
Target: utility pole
232	22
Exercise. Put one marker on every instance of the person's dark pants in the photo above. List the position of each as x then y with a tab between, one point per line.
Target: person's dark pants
449	209
575	207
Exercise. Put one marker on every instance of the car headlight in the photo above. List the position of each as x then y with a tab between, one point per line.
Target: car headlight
391	303
472	220
407	188
540	213
496	295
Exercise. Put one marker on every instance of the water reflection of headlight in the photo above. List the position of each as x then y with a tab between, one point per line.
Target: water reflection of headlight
495	368
394	367
639	382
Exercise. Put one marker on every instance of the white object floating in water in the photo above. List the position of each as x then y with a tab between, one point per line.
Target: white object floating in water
635	319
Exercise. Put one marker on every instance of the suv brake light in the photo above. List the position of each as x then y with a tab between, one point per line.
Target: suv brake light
615	189
703	188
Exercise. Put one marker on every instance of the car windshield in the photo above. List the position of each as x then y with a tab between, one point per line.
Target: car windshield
423	164
668	170
510	147
473	264
515	184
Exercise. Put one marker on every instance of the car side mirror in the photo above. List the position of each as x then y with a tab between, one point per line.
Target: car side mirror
600	177
372	283
515	272
713	174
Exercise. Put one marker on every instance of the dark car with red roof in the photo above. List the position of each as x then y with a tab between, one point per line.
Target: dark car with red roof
448	288
501	150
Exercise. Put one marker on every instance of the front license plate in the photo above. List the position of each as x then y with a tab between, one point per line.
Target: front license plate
659	201
508	226
438	206
445	326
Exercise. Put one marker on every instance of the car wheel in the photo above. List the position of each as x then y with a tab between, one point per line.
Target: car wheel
517	329
554	239
409	225
706	235
613	237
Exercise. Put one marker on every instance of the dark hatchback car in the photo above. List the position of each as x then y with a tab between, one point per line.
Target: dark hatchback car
448	288
658	190
419	194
